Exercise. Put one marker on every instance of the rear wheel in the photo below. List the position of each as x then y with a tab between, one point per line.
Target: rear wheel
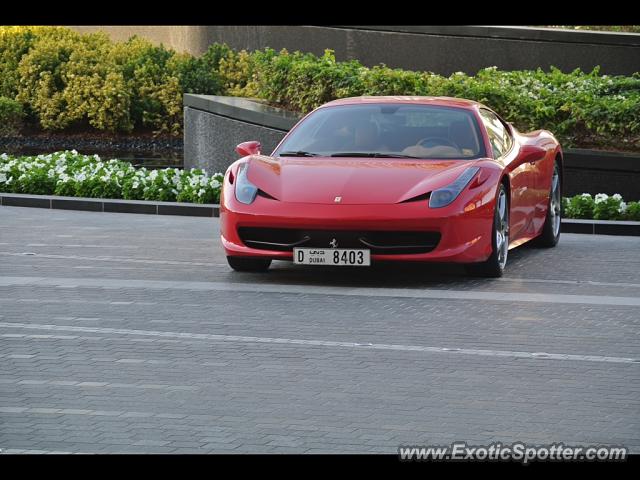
494	265
551	230
249	264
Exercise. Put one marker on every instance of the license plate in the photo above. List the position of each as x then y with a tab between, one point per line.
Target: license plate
332	256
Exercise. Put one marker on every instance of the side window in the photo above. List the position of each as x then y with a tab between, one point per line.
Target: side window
498	133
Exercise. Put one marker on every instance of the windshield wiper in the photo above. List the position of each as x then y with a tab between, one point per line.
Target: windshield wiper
372	154
299	153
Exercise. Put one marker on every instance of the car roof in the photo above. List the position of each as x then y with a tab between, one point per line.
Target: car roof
440	101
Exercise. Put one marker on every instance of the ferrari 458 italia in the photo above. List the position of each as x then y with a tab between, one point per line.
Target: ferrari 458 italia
407	179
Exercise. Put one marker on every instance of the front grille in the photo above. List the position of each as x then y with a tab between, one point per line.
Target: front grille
379	242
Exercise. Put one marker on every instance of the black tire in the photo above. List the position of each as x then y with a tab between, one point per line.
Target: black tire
494	266
551	231
249	264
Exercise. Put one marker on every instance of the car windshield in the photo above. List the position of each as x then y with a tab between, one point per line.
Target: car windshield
386	130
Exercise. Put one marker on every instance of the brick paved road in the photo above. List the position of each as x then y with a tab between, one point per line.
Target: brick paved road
129	333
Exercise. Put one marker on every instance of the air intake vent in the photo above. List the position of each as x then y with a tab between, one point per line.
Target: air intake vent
379	242
419	198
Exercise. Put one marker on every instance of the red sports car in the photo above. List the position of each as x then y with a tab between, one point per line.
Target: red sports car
366	179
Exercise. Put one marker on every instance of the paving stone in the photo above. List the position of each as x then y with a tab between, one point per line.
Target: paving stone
273	363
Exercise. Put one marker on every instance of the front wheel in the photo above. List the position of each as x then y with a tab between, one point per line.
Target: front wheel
551	230
494	265
249	264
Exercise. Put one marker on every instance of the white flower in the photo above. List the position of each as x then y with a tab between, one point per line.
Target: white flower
3	178
617	196
622	208
601	197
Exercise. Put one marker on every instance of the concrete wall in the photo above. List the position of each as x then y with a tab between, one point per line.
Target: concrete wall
441	49
211	139
592	171
192	39
213	126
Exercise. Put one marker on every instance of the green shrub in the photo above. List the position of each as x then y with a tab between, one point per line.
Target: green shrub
608	207
14	43
237	71
152	89
69	80
195	75
302	82
200	75
11	116
66	80
579	108
633	211
580	206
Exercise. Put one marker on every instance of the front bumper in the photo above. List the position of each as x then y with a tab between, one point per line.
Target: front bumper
465	227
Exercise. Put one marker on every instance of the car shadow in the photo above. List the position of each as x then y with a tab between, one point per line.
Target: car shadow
380	274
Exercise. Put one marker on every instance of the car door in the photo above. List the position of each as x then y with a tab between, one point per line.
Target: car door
521	176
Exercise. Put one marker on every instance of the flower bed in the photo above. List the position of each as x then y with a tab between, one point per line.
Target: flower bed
600	207
71	174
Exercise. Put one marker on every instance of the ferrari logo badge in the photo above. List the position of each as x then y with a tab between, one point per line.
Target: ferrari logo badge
337	199
334	243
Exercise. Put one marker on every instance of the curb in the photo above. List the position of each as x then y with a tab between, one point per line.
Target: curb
569	225
601	227
109	205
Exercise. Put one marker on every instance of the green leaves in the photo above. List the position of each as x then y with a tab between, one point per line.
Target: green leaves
65	80
581	109
68	80
11	116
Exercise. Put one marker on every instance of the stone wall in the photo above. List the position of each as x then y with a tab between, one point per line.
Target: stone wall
213	126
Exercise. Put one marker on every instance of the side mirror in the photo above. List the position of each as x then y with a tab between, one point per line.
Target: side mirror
531	153
248	148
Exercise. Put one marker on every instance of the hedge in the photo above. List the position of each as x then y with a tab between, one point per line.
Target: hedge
71	174
581	109
11	116
66	80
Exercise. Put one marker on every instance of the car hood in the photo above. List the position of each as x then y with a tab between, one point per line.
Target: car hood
321	180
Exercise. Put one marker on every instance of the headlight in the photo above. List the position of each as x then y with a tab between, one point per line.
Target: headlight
245	190
444	196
